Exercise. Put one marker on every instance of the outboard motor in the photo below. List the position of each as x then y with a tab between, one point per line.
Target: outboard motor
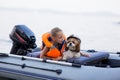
23	40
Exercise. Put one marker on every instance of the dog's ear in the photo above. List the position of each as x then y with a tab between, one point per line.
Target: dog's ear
78	48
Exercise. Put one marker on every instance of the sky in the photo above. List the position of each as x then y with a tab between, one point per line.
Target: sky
65	5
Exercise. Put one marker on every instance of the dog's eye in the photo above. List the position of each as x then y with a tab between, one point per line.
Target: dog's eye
73	42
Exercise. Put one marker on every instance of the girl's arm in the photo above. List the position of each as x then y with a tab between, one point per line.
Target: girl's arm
44	51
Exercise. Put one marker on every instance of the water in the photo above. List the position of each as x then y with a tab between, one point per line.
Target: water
99	31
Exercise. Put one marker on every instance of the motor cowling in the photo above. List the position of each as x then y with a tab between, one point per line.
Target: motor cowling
23	40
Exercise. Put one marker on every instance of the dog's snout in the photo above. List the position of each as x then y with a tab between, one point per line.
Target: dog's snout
70	44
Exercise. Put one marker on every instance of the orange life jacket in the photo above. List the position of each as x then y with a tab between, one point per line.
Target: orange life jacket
46	41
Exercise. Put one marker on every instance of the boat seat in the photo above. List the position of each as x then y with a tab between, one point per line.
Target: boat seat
94	58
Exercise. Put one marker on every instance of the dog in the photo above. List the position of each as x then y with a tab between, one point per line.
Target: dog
72	48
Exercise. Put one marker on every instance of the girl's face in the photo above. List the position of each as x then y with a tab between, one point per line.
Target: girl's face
59	37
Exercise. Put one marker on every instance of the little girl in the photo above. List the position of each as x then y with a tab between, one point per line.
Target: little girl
54	43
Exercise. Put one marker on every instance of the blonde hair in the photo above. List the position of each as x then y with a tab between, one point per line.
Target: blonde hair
54	31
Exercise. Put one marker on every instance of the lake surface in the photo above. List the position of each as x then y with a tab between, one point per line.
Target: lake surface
97	30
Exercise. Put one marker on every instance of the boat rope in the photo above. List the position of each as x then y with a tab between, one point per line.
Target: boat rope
42	60
58	71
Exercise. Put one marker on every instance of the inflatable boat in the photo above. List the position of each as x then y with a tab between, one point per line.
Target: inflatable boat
16	65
